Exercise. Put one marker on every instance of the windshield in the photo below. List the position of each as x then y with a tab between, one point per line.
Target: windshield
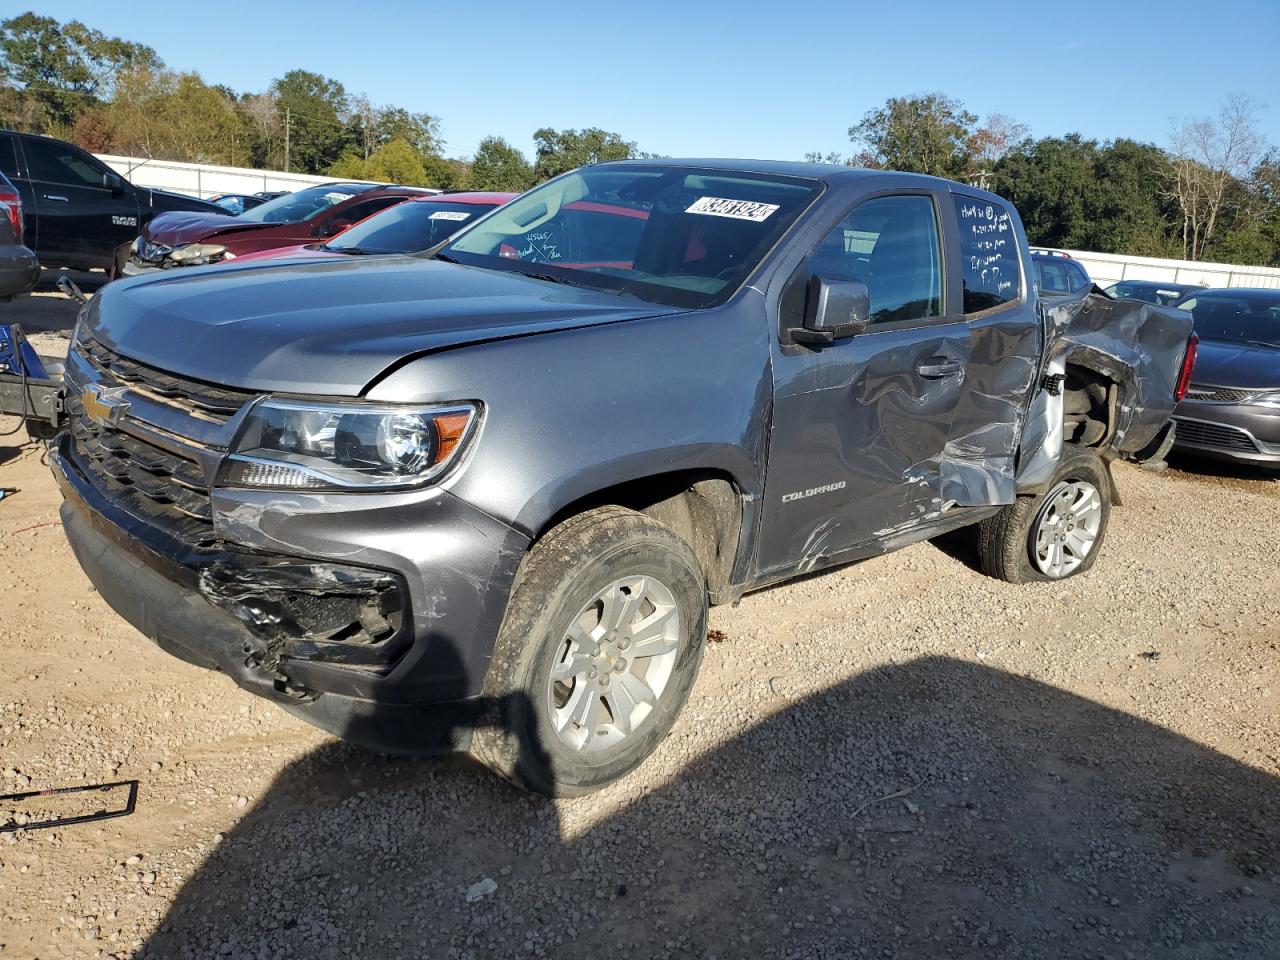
1253	318
675	235
408	227
304	204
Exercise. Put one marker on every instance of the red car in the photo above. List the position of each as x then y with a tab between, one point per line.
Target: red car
182	239
405	228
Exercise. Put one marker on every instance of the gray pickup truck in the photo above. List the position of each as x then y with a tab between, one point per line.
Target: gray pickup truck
481	498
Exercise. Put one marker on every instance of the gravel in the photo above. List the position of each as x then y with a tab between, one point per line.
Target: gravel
897	759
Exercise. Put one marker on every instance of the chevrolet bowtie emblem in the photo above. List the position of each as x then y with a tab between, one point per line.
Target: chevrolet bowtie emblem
105	405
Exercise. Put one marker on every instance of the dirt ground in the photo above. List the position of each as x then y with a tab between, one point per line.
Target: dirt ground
901	758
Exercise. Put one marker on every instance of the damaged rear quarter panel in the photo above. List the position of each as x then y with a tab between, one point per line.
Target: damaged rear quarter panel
1138	345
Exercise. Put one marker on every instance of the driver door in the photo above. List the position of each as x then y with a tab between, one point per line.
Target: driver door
859	426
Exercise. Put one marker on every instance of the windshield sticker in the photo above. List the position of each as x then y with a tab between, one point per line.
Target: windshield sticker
336	197
449	215
734	209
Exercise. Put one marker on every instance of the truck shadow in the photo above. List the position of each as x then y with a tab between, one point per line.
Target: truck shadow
936	808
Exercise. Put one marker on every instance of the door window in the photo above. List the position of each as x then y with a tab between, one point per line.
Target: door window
891	245
1053	277
8	158
988	255
55	162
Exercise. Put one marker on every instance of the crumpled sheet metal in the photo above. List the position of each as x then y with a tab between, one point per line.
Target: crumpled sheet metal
1139	345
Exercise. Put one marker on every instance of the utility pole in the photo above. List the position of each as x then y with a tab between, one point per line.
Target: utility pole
286	139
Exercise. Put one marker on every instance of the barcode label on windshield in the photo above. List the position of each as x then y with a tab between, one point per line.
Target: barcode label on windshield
449	215
734	209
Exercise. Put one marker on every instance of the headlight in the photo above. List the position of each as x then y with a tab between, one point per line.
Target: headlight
195	253
1268	399
287	444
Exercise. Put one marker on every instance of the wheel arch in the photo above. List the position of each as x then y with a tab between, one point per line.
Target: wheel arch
705	507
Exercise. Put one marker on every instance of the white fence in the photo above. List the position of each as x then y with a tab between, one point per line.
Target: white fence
204	180
1108	268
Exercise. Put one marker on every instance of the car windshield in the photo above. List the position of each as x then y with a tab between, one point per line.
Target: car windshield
1242	318
407	227
304	204
681	236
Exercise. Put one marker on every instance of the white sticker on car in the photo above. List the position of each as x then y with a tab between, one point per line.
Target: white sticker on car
335	197
449	215
734	209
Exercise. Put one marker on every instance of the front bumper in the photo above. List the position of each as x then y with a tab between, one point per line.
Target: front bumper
417	692
1243	432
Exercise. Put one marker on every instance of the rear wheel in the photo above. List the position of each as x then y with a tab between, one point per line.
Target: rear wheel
1055	535
596	656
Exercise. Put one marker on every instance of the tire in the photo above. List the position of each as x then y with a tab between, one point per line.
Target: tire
572	735
1010	546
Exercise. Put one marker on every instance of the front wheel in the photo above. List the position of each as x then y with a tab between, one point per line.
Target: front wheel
1054	535
596	656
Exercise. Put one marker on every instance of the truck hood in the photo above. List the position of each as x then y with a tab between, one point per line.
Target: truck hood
1223	364
177	228
330	326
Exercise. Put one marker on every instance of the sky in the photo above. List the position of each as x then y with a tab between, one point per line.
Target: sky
732	79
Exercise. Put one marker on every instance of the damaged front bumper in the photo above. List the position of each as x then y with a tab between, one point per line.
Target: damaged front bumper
384	648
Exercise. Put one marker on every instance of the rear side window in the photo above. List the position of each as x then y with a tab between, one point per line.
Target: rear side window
1053	277
1079	278
891	245
55	162
988	254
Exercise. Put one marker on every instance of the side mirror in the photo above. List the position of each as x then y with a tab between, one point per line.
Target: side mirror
836	309
113	182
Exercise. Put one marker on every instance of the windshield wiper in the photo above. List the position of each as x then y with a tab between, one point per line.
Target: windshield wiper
444	257
1263	343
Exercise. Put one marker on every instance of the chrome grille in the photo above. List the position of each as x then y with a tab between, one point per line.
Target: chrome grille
160	487
205	400
1217	436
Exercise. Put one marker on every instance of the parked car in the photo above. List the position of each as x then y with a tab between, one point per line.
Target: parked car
77	209
482	499
1152	291
1057	274
325	210
19	268
1232	408
405	228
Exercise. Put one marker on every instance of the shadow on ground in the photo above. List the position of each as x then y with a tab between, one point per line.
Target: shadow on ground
1037	824
1204	467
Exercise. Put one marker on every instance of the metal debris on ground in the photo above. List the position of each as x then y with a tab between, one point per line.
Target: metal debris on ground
10	825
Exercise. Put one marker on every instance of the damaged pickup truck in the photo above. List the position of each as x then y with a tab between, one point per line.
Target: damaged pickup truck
481	498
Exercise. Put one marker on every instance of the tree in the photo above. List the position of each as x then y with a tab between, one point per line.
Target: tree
989	144
62	69
314	108
170	116
498	165
559	151
929	133
816	156
1074	193
1208	155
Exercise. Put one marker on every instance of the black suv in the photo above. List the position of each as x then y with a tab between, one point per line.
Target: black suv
77	209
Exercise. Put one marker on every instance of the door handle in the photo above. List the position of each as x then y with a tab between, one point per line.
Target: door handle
939	367
56	196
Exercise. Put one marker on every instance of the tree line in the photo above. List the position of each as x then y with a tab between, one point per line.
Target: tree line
1212	192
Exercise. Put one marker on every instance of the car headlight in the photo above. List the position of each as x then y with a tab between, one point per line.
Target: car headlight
1269	399
296	445
195	253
